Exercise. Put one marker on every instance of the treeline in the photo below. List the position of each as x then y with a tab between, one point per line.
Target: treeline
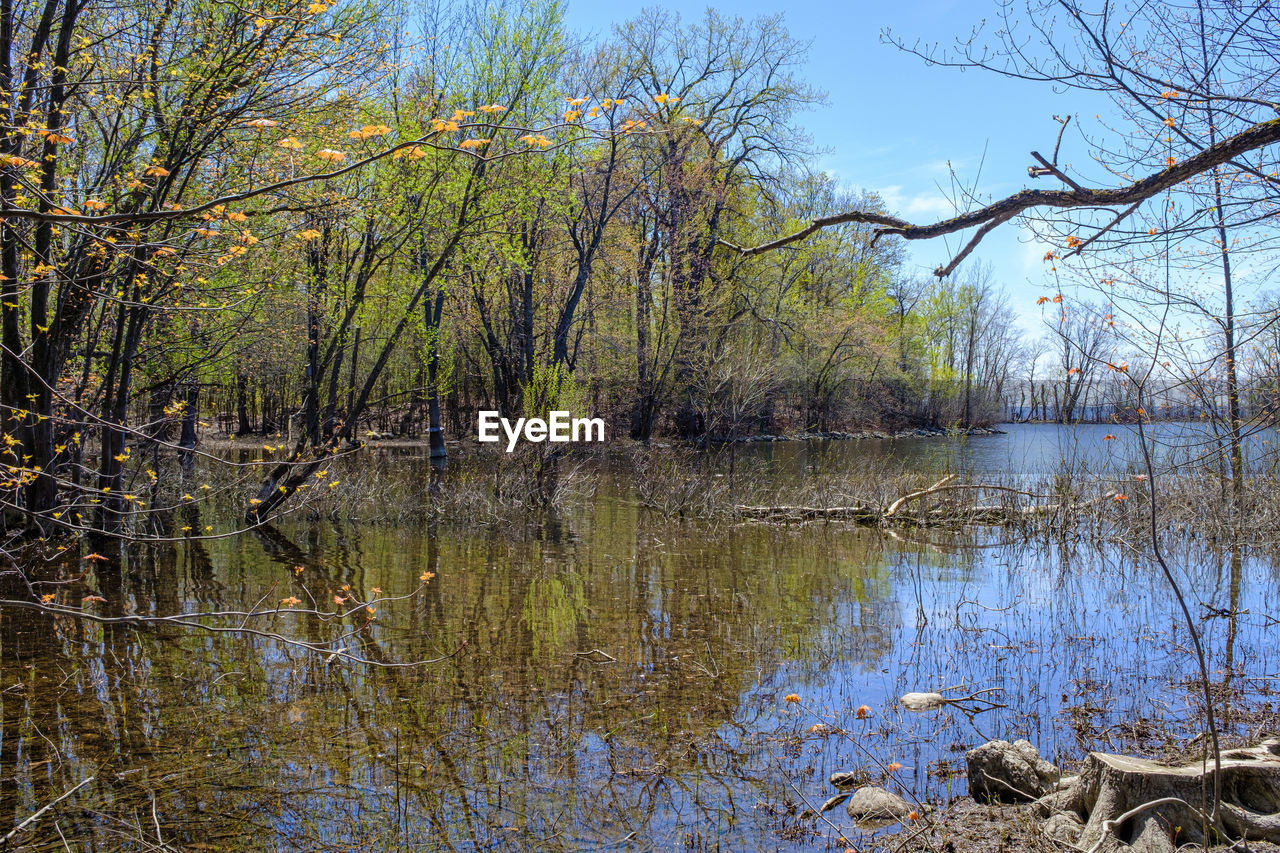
904	353
592	267
316	220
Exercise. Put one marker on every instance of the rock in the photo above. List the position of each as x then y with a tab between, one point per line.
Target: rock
844	779
1009	772
923	701
833	802
878	804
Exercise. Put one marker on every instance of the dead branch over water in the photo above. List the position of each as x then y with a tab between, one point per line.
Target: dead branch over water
952	512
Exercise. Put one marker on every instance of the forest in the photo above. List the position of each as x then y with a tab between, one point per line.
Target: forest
322	222
318	223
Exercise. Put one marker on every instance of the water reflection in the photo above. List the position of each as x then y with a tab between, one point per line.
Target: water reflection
614	679
1029	451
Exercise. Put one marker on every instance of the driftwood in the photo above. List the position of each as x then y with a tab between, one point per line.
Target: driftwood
874	516
861	514
972	705
1122	803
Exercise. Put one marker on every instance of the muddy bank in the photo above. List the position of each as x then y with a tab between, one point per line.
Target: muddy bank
1107	802
966	826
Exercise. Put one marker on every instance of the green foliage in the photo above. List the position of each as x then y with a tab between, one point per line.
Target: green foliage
552	388
335	226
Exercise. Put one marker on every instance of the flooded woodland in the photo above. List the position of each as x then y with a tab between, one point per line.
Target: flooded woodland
549	425
603	675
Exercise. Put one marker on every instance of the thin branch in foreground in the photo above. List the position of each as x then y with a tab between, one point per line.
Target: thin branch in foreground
1254	138
8	836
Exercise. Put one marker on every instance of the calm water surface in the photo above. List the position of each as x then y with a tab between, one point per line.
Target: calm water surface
1031	451
615	679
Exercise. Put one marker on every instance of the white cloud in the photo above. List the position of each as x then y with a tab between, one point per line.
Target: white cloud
917	204
1031	255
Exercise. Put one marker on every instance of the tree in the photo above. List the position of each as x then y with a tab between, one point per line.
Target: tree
725	96
100	177
159	190
446	202
1085	343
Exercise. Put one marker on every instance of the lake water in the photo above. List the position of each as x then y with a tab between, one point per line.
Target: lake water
614	679
1031	451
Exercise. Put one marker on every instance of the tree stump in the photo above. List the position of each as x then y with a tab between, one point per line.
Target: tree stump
1136	804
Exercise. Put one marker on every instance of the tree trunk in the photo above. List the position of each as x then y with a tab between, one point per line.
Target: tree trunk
1135	804
435	426
243	425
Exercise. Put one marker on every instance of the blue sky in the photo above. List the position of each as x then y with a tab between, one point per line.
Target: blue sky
892	123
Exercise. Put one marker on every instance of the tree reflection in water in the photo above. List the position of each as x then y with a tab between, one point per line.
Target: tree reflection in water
672	733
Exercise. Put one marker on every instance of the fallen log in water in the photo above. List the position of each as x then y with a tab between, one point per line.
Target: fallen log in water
861	514
895	512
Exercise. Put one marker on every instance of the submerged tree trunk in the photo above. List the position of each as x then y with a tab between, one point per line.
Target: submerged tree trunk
190	412
434	308
243	425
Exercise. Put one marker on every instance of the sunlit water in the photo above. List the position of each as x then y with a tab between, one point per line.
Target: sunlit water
615	679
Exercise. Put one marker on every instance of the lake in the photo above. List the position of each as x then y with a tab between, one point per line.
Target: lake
606	678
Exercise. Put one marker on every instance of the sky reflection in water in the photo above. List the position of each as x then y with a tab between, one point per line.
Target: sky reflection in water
522	741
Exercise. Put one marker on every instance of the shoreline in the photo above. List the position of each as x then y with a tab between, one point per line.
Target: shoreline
385	440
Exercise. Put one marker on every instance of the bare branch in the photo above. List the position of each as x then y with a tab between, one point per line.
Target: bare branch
1256	137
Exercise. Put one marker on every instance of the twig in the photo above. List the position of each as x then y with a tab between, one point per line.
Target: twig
1050	169
820	815
590	656
1112	224
11	833
893	507
1019	791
